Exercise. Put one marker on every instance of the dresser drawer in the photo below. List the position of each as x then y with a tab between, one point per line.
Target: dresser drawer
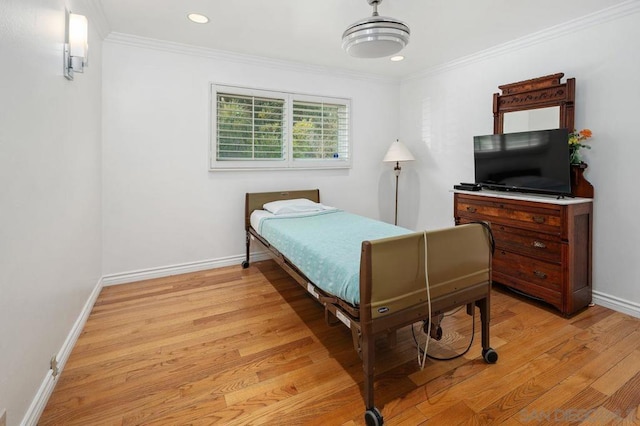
540	219
552	297
543	245
530	243
527	269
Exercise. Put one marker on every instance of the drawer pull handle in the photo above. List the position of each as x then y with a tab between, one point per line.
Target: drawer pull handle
539	244
540	274
538	219
471	209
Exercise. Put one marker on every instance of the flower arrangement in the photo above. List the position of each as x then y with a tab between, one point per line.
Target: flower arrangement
576	143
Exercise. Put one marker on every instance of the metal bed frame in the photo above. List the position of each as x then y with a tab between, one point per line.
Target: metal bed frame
392	283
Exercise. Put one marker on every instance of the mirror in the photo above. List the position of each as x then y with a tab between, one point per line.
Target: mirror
533	119
537	104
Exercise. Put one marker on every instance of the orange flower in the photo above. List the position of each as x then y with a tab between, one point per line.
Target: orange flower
585	133
575	144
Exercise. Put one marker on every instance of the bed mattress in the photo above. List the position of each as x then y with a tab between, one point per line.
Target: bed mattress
325	245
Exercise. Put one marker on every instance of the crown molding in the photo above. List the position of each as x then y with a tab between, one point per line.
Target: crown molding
223	55
93	8
618	11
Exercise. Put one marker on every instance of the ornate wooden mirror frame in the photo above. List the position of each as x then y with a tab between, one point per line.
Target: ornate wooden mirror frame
537	93
541	92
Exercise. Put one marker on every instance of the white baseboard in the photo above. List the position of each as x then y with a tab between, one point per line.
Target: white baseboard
36	408
48	384
182	268
46	388
616	303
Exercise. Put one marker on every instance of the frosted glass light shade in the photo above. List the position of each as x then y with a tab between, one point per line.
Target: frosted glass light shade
375	37
78	35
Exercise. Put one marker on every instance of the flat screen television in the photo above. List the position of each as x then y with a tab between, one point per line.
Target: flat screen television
536	162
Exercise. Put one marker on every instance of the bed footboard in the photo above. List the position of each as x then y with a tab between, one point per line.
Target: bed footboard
394	279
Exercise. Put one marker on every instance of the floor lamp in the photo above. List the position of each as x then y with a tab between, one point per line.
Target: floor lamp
397	152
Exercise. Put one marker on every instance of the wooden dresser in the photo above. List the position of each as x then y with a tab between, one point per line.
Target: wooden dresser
543	244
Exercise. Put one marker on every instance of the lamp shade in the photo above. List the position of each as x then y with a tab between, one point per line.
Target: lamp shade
398	152
78	35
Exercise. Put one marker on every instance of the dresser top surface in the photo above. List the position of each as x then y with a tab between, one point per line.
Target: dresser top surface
540	198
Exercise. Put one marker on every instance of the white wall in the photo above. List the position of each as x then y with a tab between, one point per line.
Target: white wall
158	205
50	196
161	204
444	108
162	207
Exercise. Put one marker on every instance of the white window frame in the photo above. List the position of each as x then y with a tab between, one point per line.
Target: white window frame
288	163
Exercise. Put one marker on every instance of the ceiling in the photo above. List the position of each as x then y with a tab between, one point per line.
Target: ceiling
310	32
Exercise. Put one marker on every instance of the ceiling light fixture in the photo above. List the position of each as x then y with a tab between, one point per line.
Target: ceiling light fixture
198	18
397	58
376	36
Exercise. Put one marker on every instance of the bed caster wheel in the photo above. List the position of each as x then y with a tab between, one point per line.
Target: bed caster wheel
436	333
373	417
245	264
490	356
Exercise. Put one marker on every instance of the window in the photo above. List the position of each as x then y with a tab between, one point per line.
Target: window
256	129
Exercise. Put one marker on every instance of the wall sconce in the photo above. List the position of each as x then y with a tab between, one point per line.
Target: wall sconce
76	44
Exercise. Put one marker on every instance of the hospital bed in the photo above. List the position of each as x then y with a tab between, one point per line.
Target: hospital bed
385	287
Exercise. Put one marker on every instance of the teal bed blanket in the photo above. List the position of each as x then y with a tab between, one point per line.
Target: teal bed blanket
326	246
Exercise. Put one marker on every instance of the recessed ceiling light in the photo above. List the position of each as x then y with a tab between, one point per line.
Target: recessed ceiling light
397	58
197	18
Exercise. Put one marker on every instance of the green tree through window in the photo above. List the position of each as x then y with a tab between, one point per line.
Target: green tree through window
249	127
256	129
317	128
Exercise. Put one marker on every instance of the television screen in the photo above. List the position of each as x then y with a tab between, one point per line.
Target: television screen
536	161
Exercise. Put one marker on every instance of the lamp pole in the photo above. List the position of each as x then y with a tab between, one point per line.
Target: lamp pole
396	153
397	169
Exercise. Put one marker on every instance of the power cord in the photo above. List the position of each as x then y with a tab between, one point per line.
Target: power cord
426	279
424	353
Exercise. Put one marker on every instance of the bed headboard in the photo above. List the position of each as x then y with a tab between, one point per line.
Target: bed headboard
255	200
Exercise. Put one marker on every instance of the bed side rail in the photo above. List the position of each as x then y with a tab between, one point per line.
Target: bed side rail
393	274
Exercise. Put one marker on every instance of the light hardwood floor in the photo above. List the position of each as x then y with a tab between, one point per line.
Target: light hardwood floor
233	346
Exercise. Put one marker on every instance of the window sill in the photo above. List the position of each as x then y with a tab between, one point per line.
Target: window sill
265	169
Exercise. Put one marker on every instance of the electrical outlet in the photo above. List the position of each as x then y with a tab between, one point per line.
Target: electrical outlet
3	417
54	367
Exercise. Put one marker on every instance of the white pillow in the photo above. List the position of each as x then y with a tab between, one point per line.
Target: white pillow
297	205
